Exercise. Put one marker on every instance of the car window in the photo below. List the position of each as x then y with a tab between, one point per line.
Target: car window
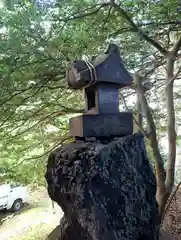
14	185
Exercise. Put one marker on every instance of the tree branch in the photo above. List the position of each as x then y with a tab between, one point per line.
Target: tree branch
83	13
39	156
174	77
176	47
160	172
170	201
123	30
139	31
53	114
24	100
170	169
135	120
107	17
20	91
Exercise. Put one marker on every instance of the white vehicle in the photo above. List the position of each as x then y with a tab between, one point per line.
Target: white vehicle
12	197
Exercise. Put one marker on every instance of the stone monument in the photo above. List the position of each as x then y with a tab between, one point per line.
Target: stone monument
101	89
103	180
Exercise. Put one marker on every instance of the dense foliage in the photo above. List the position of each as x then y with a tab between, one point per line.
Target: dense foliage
39	38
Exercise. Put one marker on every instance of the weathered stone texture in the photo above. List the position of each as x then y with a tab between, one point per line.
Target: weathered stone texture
105	188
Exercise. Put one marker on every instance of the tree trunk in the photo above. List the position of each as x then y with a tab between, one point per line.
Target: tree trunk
160	171
170	169
138	115
165	181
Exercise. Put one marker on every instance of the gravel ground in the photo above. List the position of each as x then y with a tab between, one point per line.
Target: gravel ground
34	221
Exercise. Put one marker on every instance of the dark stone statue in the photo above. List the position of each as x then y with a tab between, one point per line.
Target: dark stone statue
106	189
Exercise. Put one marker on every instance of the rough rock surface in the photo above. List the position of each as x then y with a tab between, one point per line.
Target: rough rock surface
105	188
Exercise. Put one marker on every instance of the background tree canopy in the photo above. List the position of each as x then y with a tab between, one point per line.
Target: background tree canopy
39	38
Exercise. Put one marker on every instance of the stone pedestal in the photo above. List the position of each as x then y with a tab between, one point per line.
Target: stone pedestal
105	188
102	125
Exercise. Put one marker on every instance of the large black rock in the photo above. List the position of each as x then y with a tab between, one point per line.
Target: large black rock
105	188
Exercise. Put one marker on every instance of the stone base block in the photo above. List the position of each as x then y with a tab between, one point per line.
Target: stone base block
100	125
